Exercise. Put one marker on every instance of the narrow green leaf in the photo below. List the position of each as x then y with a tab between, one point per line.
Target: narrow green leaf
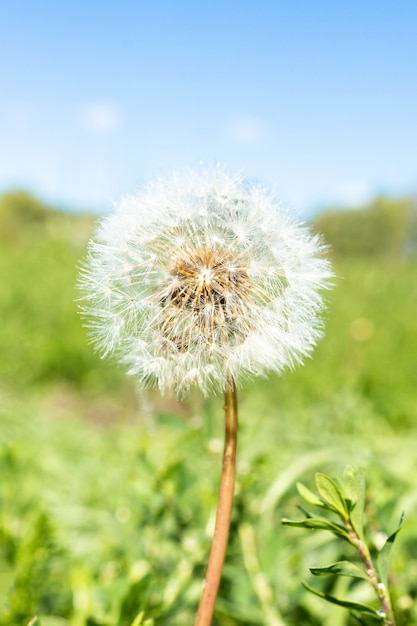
342	568
308	495
354	483
383	558
331	493
303	510
138	619
367	620
352	606
313	523
35	621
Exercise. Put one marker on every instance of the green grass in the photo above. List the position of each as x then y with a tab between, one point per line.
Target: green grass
107	493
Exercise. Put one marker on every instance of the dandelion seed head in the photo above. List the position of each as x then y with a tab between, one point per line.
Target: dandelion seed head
202	279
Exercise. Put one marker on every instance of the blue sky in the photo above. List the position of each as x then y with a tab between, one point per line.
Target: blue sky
316	98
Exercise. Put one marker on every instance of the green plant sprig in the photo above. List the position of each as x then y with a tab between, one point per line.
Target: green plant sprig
347	501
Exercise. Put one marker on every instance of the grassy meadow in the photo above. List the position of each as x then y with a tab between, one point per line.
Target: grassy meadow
108	492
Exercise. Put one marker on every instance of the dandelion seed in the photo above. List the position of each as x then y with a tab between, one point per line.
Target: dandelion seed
203	279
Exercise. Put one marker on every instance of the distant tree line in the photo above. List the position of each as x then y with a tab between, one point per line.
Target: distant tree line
23	217
385	228
21	212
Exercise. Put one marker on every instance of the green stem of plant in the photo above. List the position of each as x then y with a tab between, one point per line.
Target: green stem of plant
381	590
224	513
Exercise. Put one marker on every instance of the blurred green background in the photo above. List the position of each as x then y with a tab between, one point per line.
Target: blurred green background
108	492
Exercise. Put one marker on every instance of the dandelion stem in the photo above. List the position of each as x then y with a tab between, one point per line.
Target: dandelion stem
381	591
224	512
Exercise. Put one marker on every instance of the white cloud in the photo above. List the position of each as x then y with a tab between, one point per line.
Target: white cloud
100	117
247	129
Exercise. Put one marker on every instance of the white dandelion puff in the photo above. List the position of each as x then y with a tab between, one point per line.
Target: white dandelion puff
203	280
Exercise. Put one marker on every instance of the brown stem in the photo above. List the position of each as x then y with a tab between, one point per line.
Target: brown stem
224	512
381	591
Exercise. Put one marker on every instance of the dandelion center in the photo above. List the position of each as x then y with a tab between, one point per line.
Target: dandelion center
204	298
